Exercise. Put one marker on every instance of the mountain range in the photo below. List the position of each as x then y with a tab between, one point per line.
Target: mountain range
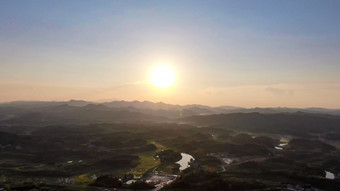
161	108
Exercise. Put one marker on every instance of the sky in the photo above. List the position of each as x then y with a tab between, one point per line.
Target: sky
242	53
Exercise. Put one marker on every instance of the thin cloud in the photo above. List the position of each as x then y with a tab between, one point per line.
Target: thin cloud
279	92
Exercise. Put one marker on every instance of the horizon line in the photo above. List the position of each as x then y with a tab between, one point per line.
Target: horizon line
155	102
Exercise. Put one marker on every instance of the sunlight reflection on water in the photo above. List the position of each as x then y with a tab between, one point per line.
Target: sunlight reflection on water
184	162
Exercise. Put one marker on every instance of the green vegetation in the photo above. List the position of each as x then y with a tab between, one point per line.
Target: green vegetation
169	156
147	160
54	156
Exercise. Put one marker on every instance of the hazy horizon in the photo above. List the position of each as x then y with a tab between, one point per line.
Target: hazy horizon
187	104
240	53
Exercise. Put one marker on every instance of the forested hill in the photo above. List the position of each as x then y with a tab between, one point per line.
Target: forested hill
291	123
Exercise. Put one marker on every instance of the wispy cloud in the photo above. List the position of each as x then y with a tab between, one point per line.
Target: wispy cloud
213	90
279	92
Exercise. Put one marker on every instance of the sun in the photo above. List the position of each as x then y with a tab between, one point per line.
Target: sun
162	76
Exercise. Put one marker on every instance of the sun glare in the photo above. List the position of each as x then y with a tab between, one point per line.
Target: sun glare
162	77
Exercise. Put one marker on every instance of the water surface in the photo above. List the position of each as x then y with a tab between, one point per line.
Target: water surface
184	162
329	175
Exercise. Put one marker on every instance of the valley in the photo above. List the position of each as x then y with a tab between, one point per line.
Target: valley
93	147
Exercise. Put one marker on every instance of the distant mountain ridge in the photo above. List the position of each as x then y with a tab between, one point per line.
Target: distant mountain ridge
193	109
298	122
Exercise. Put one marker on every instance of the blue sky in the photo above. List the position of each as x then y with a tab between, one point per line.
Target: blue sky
220	50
